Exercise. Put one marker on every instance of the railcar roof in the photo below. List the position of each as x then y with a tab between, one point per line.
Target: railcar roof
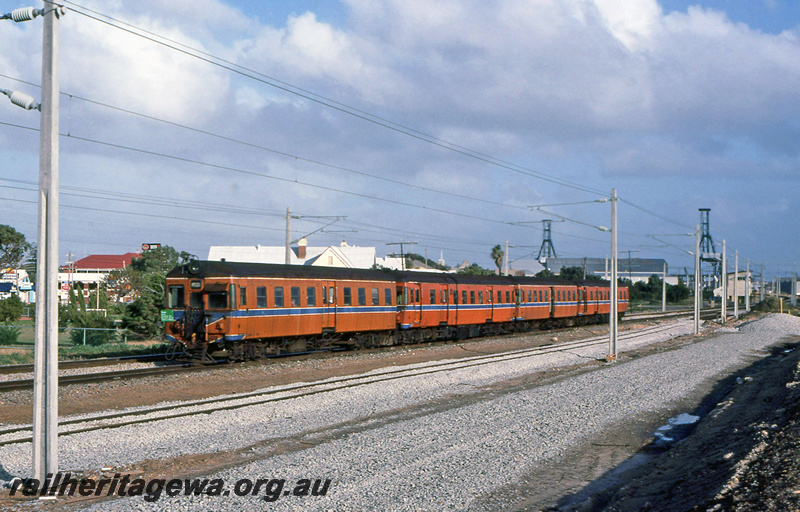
229	269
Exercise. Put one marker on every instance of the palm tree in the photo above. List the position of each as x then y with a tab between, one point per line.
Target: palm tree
497	256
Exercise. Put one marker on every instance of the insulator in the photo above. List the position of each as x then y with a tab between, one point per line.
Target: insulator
24	14
23	100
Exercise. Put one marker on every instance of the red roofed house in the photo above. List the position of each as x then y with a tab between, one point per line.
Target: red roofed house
90	271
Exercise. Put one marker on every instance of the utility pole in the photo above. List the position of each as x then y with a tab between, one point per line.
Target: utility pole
736	284
288	259
747	287
664	290
761	288
505	260
724	278
45	379
697	278
794	285
630	265
612	318
402	254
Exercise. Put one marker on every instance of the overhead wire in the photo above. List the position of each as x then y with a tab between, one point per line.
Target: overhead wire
340	107
329	103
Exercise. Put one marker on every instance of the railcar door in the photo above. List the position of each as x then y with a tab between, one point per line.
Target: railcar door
328	306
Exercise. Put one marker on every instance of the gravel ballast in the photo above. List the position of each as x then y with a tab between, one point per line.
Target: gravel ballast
434	442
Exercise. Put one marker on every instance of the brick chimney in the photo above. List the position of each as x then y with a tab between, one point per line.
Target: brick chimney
301	248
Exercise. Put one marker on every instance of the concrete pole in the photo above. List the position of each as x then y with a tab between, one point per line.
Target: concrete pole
664	290
612	317
45	375
505	260
724	276
697	279
761	289
736	284
747	287
288	259
794	285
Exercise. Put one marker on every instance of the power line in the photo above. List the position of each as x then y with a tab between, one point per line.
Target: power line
321	100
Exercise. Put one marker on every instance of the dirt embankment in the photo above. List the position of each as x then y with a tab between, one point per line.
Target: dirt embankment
744	455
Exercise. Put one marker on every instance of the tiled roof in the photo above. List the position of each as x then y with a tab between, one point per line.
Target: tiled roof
103	262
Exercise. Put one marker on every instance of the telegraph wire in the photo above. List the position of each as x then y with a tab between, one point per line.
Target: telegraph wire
279	152
321	100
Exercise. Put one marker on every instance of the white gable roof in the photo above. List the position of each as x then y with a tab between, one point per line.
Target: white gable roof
348	256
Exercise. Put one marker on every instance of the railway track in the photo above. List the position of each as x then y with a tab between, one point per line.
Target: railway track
705	314
83	363
27	384
22	433
15	385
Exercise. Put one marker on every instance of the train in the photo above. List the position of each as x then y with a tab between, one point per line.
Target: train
240	311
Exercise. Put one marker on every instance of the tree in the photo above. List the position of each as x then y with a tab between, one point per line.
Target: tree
475	270
11	309
497	256
571	273
544	273
145	280
428	262
13	247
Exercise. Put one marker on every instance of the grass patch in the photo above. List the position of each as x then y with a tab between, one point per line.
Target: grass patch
16	358
88	352
111	350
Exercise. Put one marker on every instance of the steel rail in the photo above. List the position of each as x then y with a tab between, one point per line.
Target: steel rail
338	384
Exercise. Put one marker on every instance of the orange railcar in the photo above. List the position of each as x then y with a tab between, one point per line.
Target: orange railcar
249	310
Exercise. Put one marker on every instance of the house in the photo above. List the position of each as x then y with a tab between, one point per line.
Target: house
341	256
17	282
90	271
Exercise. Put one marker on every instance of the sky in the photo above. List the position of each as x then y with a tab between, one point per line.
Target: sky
455	124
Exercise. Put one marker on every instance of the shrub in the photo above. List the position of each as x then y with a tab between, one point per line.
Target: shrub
9	334
11	309
81	322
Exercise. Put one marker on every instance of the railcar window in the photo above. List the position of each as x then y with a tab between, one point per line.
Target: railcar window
472	296
324	294
278	296
232	295
175	298
217	300
362	297
376	297
261	297
416	296
455	297
348	299
196	300
387	296
311	296
508	296
295	295
331	295
499	297
480	297
433	296
242	296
